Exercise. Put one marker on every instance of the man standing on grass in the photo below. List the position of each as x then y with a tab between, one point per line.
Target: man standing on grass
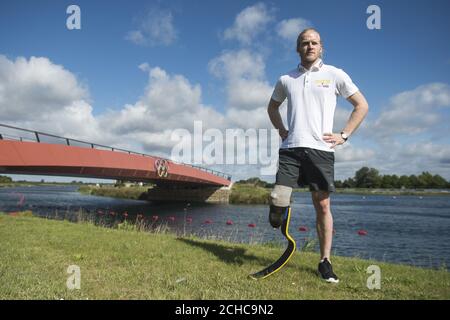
306	155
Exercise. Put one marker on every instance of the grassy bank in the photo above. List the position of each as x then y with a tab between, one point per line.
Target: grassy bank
240	193
134	192
121	264
249	194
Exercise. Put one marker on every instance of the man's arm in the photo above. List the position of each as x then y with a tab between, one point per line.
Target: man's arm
275	117
360	109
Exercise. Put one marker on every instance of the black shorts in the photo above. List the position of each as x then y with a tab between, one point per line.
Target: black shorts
306	166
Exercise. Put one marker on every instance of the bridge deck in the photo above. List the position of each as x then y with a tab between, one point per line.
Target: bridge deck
19	157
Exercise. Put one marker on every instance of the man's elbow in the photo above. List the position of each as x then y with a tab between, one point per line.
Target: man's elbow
271	108
362	107
366	107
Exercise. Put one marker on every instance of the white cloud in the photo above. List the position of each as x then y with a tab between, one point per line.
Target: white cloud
156	28
289	29
38	94
169	102
413	158
144	67
249	23
248	92
240	64
440	153
349	153
30	88
412	112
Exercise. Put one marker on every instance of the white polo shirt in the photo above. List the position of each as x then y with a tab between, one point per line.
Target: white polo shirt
312	96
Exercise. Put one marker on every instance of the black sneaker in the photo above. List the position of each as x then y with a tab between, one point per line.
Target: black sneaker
326	271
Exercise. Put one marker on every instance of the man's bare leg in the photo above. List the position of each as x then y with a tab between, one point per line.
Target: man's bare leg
324	222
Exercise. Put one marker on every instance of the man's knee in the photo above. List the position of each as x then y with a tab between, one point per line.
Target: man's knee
321	201
280	199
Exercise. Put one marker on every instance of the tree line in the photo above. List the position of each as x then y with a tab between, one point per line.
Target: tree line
371	178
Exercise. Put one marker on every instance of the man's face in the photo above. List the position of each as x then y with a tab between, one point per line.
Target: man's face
310	48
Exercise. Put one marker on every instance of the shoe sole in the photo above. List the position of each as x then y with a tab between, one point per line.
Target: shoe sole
329	280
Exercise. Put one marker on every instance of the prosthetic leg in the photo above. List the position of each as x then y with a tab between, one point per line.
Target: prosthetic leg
279	216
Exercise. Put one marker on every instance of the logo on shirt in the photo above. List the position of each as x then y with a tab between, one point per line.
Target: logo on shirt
323	83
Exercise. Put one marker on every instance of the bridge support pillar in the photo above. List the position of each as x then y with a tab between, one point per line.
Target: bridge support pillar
189	194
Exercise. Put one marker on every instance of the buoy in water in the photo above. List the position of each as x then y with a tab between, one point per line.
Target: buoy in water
362	232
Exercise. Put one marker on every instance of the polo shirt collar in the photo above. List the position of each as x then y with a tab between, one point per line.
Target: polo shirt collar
315	67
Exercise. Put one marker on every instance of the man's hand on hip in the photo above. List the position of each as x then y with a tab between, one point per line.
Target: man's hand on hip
283	133
334	138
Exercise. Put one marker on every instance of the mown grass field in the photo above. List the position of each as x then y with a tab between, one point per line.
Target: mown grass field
124	264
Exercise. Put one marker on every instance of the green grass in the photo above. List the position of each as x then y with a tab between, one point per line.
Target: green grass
249	194
124	264
135	192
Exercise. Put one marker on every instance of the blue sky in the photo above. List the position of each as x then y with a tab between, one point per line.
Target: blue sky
410	55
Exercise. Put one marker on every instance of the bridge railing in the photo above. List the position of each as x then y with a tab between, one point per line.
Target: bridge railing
8	132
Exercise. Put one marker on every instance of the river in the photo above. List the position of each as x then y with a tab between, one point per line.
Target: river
413	230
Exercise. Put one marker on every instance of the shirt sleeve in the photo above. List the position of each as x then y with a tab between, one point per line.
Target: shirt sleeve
344	85
279	94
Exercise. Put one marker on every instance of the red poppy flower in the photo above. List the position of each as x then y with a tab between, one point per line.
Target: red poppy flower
229	222
303	229
251	225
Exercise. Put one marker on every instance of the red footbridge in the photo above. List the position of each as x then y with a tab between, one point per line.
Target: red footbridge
29	152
